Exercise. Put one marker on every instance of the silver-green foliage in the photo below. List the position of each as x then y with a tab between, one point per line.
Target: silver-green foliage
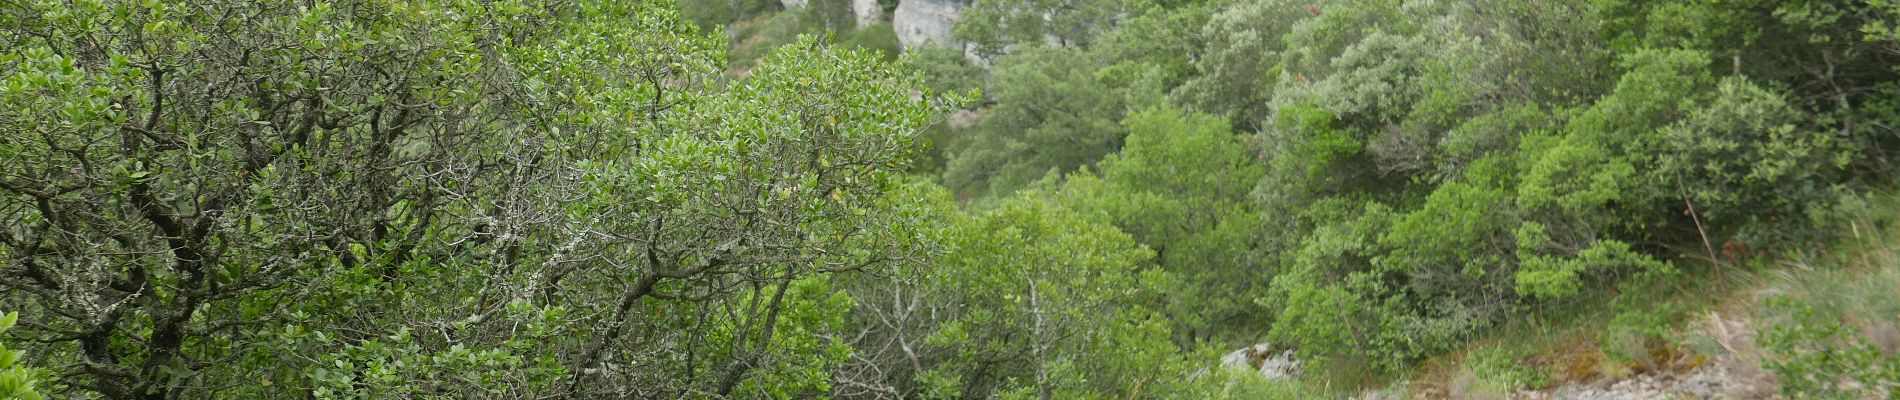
435	199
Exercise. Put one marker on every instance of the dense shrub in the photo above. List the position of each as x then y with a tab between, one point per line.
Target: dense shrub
875	38
711	15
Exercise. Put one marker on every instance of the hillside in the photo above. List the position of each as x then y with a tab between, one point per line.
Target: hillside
949	199
1809	323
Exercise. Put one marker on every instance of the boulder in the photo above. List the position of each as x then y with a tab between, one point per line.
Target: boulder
868	12
926	22
1273	365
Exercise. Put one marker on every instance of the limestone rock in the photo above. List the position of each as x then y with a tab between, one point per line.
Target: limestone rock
868	12
926	22
1273	365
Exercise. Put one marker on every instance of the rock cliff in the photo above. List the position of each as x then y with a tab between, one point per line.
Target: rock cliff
868	12
923	22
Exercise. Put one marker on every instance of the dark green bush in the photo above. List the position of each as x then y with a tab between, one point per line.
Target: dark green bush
712	14
879	38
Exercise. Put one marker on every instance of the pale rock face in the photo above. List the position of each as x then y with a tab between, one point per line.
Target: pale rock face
791	4
1273	365
868	12
923	22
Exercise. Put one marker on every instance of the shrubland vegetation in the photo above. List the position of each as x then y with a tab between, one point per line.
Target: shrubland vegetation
725	199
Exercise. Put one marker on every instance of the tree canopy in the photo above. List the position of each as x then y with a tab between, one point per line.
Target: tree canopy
579	199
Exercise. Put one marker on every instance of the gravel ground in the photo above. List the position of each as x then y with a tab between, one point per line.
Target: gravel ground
1733	374
1714	381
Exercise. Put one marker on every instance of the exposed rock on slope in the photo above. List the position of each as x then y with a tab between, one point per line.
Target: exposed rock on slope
1733	373
868	12
923	22
1272	365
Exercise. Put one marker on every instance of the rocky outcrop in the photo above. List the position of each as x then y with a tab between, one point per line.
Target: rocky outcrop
868	12
926	22
1273	365
791	4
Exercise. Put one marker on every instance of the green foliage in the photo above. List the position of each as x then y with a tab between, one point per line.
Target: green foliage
1455	243
1745	157
375	199
1783	45
597	199
16	380
947	71
1828	332
829	15
1399	248
995	26
1558	277
1179	187
710	15
1641	325
1051	115
805	345
402	365
878	39
1504	368
777	30
1155	41
832	20
1421	170
1329	296
944	71
1051	305
1819	356
1535	198
1241	64
1241	385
